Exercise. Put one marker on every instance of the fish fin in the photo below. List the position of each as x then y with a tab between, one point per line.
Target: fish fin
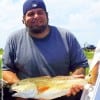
93	74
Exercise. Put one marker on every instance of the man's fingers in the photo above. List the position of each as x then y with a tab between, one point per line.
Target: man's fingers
79	76
74	90
69	93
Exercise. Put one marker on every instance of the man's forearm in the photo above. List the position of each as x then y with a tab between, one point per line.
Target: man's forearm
10	77
79	71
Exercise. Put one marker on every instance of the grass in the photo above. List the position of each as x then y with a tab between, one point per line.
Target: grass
0	68
89	54
0	63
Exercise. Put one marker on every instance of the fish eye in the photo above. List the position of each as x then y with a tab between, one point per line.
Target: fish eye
89	74
17	84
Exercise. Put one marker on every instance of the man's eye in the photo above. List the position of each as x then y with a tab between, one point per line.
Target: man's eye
40	13
30	14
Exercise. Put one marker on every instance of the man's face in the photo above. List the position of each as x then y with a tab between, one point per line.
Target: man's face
36	20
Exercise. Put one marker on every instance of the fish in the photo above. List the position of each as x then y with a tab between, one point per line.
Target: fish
49	88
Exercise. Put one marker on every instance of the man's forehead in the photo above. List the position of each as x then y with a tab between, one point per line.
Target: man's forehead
35	10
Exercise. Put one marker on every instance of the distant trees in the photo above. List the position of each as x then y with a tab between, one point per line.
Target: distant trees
89	47
1	51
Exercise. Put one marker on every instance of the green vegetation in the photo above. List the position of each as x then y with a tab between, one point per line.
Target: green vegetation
1	52
0	62
89	54
0	67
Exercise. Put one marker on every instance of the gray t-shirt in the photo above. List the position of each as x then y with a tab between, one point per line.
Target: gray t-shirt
31	57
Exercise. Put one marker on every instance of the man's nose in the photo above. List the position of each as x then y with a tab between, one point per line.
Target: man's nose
35	15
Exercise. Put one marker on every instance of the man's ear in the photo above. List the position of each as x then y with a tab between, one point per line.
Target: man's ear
47	16
23	20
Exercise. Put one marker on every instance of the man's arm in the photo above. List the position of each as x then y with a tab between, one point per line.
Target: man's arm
10	77
79	71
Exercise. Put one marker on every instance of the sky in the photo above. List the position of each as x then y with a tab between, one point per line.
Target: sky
81	17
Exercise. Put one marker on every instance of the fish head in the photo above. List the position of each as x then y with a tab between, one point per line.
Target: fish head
24	89
93	74
23	85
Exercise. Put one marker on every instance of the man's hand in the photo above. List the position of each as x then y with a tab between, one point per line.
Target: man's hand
10	77
75	88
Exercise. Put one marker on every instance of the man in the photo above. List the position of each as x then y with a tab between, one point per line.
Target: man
41	49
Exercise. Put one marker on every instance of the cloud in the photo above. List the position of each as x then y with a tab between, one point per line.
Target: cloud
10	18
82	17
86	19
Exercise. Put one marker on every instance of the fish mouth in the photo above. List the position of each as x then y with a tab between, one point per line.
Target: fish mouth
26	94
28	90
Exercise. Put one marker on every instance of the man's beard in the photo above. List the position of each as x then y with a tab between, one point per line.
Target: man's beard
37	29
